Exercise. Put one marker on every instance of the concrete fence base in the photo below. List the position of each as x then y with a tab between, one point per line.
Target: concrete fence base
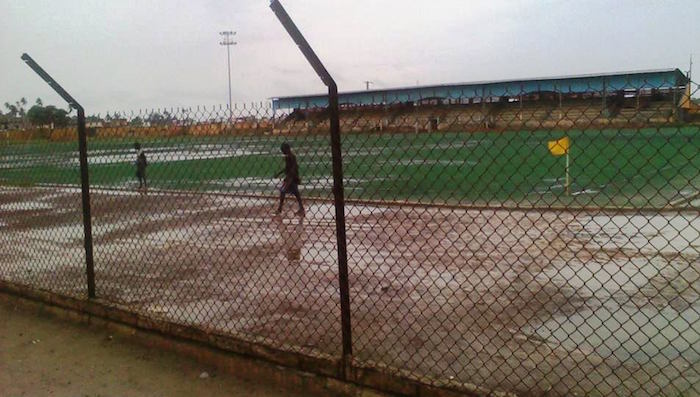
244	359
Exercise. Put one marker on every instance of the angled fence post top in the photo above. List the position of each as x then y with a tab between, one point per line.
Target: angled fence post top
337	158
51	82
84	174
301	42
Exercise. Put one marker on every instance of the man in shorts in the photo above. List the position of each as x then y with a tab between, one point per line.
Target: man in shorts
291	179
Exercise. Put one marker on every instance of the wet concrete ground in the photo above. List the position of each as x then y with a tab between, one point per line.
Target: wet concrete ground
535	302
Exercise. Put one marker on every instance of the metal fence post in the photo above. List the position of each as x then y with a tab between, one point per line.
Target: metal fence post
338	191
84	175
339	198
85	189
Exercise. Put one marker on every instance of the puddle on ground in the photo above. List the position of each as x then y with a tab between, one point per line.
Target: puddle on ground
628	333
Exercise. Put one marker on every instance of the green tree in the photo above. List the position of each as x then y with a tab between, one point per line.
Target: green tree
155	118
136	122
12	109
22	111
48	116
21	106
17	110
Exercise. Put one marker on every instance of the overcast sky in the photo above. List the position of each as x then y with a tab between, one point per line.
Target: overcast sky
127	55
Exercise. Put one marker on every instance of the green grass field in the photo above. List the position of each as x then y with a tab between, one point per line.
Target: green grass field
641	168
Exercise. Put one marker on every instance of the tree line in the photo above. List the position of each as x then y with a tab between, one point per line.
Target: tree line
16	115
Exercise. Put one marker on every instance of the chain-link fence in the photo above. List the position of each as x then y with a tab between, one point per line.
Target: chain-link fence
40	213
534	242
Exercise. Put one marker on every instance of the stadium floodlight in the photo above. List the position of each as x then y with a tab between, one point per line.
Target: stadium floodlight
227	40
690	69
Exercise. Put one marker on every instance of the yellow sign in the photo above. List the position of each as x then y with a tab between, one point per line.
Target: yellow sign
559	147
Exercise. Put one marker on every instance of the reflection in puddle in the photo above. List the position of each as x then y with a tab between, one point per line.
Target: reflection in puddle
292	234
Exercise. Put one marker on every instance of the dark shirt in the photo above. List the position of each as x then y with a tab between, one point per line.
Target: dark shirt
141	161
291	168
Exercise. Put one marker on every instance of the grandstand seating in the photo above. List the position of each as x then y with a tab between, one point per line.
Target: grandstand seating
570	113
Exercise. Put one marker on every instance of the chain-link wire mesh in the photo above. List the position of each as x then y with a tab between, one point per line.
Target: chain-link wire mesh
530	240
199	240
479	256
40	212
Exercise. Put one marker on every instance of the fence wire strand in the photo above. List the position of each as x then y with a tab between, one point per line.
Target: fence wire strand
533	242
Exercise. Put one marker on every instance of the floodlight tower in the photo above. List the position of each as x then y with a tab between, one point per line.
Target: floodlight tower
227	40
367	84
690	68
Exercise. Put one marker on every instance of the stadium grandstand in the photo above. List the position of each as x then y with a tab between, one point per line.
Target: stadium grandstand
639	98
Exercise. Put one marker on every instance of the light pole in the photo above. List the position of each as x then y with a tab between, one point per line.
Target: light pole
227	40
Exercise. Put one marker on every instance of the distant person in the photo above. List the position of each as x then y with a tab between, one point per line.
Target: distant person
291	179
141	164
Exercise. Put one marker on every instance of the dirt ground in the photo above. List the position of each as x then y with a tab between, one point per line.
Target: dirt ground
41	356
536	302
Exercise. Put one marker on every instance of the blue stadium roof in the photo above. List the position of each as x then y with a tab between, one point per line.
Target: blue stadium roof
663	78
